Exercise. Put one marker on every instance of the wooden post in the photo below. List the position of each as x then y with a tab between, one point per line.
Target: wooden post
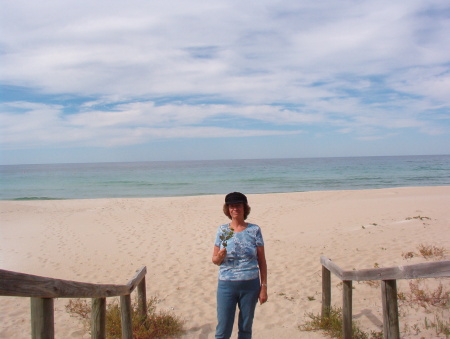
98	318
42	318
326	292
347	309
142	299
391	327
125	312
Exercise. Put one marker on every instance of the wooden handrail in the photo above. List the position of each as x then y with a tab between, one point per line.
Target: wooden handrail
16	284
43	290
436	269
388	277
134	282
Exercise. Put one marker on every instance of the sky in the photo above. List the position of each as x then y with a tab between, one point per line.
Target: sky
141	80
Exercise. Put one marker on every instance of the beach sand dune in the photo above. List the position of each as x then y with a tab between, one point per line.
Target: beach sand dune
107	240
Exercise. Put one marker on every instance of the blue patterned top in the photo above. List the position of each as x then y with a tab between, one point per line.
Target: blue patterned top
241	261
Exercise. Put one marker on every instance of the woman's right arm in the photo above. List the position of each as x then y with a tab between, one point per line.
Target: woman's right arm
218	255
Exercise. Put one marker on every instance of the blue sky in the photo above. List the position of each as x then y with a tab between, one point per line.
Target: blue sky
108	80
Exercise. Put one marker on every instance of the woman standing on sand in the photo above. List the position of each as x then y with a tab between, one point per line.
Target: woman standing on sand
239	251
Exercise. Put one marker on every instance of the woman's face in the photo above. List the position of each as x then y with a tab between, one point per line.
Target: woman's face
236	210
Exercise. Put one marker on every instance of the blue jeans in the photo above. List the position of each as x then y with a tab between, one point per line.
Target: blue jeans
229	294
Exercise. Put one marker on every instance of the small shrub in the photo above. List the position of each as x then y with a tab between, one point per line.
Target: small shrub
416	329
418	217
156	325
332	325
401	296
424	297
420	295
408	255
439	325
428	251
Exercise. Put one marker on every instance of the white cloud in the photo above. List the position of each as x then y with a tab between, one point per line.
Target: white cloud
176	69
430	82
36	125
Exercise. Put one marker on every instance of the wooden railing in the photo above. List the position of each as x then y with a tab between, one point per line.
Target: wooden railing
43	290
388	277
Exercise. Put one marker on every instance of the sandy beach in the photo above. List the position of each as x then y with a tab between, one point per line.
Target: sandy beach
107	240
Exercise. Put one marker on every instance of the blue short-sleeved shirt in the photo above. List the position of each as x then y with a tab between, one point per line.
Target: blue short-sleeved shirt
241	261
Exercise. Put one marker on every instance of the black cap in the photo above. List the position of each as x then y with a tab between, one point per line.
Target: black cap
235	198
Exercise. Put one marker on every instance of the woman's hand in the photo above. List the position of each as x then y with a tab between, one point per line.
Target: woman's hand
219	255
263	274
263	294
222	254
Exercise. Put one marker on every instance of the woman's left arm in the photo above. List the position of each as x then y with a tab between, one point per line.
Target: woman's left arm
263	274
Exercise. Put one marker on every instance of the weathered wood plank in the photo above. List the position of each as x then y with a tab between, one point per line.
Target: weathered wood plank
388	276
326	292
27	285
331	266
98	318
391	328
435	269
140	274
347	309
42	318
125	316
42	290
142	299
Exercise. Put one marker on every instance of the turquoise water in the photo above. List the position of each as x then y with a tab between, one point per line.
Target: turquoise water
185	178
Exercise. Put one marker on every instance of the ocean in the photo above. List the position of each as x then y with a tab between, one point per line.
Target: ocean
189	178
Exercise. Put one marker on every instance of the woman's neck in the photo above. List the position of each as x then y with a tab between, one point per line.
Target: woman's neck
238	224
